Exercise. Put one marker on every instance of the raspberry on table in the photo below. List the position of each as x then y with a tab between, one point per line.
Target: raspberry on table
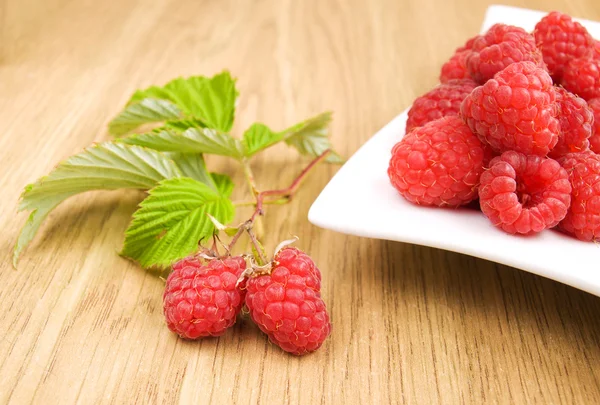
201	298
524	194
582	77
583	217
515	110
594	105
561	39
444	100
438	164
500	46
286	304
576	119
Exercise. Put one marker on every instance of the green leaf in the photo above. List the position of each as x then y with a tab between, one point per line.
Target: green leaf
223	183
192	165
259	137
172	220
148	110
106	166
209	101
192	140
310	137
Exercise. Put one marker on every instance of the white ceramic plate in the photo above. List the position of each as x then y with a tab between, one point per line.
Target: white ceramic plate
360	201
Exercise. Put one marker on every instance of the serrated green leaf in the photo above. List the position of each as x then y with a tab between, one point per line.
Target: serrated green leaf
192	165
259	137
310	137
208	101
223	183
148	110
192	140
172	220
106	166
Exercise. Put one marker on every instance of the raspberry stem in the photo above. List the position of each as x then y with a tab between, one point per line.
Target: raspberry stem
283	196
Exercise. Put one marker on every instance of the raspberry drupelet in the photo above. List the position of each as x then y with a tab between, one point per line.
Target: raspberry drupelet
524	194
583	217
594	105
582	77
456	67
201	298
561	39
286	303
499	47
442	101
576	119
438	164
515	110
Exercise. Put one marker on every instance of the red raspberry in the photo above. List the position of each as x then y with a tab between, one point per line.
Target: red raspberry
286	304
583	218
561	39
456	67
468	45
443	100
524	194
594	105
498	48
201	299
576	119
582	77
514	110
438	164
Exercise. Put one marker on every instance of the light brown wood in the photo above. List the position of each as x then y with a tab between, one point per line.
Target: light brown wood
412	324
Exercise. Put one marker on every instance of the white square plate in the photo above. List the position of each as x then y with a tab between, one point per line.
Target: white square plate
360	201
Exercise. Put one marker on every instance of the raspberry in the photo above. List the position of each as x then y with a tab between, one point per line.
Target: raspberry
576	119
456	67
582	77
514	110
443	100
498	48
583	217
438	164
594	104
524	194
286	304
201	298
561	39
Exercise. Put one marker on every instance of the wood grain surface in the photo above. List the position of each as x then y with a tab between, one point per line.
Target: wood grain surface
412	324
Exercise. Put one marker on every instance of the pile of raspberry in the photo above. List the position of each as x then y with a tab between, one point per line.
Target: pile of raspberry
204	296
514	124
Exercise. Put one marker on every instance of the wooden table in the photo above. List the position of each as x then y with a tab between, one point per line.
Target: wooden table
411	324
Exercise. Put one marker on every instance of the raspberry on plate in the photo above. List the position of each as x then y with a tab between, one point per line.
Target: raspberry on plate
444	100
201	298
576	119
515	110
456	67
582	77
561	39
286	304
524	194
583	217
594	105
438	164
500	46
